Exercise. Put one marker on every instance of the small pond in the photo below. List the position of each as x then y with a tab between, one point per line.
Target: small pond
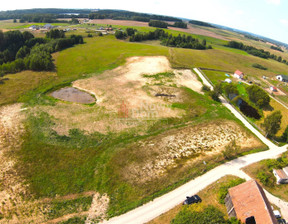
73	95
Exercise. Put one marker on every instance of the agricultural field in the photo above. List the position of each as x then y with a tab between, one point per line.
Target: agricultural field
147	132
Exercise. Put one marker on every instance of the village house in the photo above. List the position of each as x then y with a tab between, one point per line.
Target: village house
282	78
249	203
238	74
281	175
273	89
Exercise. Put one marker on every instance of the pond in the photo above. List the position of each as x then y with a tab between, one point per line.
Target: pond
73	95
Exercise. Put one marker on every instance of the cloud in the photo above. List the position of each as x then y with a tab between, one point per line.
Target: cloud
239	12
284	21
274	2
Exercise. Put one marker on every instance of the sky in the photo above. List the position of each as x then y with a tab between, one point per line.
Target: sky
268	18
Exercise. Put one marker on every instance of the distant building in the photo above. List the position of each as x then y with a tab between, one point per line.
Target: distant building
228	80
281	175
48	26
249	203
282	78
238	74
273	89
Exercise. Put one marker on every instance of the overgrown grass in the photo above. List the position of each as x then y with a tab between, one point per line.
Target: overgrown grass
263	173
60	208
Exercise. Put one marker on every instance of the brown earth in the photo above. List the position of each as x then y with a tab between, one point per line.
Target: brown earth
125	99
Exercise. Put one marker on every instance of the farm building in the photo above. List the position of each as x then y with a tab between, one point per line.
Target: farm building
281	175
238	74
48	27
282	78
249	203
273	89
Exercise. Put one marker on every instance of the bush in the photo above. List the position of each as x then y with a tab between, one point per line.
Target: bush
210	215
223	191
205	88
259	66
231	150
90	35
120	34
266	178
258	96
159	24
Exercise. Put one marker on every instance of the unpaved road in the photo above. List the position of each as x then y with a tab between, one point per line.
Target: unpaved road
166	202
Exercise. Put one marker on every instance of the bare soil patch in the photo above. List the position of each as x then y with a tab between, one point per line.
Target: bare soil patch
125	99
193	142
73	95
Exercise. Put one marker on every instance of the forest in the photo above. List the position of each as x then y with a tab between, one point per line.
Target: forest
43	13
126	15
255	51
200	23
181	41
22	51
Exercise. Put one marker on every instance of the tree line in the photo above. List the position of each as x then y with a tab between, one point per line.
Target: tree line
42	13
255	51
200	23
181	41
127	15
276	48
22	51
162	24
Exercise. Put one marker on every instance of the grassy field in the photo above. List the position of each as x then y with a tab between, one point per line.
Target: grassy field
15	85
81	161
209	196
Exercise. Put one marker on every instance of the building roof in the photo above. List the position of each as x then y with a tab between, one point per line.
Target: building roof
249	200
281	174
285	169
283	76
238	72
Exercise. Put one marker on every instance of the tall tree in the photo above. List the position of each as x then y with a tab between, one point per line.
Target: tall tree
272	123
258	96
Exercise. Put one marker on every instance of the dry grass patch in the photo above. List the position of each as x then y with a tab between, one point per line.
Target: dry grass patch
168	150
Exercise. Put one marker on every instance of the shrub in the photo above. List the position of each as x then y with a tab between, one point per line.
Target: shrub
231	150
258	96
259	66
223	191
210	215
266	178
159	24
205	88
120	34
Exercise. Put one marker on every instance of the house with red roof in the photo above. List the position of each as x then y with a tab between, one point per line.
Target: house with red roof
248	202
238	74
